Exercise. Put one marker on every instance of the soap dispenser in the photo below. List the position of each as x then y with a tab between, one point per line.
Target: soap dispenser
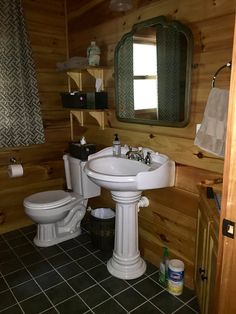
116	146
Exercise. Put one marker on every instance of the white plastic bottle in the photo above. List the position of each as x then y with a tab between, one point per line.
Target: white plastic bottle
163	269
93	54
116	146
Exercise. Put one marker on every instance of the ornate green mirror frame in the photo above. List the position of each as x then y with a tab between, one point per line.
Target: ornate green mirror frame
152	85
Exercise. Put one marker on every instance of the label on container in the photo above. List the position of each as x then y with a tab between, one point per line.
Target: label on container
175	277
175	287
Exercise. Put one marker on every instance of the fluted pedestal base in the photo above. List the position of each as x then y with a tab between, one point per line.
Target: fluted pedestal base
126	262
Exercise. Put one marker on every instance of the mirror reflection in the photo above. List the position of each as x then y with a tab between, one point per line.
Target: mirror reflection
153	71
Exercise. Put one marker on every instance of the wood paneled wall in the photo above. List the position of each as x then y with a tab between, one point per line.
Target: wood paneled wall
43	167
171	217
211	23
170	220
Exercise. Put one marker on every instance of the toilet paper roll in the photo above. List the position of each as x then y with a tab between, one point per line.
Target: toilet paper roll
15	171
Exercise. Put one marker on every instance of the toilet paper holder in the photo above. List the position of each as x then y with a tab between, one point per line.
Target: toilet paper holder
13	161
15	168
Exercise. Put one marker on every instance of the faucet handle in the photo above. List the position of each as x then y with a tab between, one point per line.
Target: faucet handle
148	158
129	152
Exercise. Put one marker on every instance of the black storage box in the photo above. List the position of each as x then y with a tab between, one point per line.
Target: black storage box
96	100
80	151
74	100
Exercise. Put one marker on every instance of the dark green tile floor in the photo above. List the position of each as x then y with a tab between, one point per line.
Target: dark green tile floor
72	277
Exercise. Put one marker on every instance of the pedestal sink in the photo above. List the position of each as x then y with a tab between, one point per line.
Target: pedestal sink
126	179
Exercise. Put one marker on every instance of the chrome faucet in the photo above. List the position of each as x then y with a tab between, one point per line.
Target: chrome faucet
135	154
138	154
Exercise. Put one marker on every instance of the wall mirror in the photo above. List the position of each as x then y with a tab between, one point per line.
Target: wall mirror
153	73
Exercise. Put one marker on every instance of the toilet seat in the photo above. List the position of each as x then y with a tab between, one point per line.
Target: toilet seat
48	200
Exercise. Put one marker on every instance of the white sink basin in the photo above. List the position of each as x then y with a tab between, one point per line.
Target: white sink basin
122	174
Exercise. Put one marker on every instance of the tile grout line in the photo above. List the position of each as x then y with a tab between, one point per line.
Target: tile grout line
46	258
191	306
186	304
146	301
98	283
11	289
66	251
129	286
54	269
177	297
178	309
42	291
65	281
149	299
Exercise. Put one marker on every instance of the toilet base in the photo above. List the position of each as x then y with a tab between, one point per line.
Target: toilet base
47	235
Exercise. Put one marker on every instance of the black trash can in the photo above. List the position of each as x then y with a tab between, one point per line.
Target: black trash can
103	228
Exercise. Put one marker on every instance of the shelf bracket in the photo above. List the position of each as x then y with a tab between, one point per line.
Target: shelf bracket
94	72
98	115
77	77
79	115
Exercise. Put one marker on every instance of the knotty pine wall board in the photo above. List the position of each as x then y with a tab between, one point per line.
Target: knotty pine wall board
171	217
43	164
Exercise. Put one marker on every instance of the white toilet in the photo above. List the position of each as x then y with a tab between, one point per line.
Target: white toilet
59	213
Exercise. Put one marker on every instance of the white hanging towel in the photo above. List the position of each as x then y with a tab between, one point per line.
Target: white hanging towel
211	135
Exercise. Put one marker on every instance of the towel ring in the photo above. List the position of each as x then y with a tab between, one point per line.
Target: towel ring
227	65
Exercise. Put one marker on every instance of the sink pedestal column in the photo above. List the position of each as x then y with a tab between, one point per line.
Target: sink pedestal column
126	262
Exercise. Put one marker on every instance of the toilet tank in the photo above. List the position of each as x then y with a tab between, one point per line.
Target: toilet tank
76	178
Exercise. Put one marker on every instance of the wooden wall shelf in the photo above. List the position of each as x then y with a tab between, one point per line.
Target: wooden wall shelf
79	114
98	115
96	72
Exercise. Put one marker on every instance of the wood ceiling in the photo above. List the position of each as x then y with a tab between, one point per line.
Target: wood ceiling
84	14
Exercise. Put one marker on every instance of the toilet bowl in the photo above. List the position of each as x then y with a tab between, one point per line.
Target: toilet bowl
57	213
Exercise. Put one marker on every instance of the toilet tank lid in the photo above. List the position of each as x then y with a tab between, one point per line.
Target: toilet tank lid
48	199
